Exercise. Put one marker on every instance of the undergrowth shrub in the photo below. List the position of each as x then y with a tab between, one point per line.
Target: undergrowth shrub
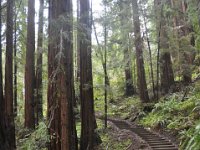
191	138
175	114
36	140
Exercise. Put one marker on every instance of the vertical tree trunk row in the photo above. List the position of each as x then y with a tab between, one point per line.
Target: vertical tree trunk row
105	66
53	103
30	68
61	80
143	93
165	64
88	122
129	87
39	102
9	111
3	138
167	75
130	90
78	41
15	61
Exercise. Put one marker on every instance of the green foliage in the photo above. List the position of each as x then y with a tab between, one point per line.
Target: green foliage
154	119
36	140
191	138
197	60
120	107
78	129
110	143
171	113
175	114
110	139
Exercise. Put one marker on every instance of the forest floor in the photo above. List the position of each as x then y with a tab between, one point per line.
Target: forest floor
119	137
176	116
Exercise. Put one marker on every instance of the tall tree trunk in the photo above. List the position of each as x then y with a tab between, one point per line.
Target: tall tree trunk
68	138
30	68
158	56
15	61
135	72
139	54
3	140
167	76
165	64
150	54
78	42
53	107
39	103
188	56
129	88
88	121
9	77
128	74
105	66
61	80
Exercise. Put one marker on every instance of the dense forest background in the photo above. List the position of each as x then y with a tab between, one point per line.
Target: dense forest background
68	67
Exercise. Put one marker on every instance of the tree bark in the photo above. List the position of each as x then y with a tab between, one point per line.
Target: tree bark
15	61
30	68
129	87
167	76
165	64
188	56
9	112
61	80
144	97
68	138
53	106
78	42
128	74
39	102
106	83
158	54
3	140
88	138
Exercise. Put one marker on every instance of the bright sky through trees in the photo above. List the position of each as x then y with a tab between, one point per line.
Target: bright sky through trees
96	8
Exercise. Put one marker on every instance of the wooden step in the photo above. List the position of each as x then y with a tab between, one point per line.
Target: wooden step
154	141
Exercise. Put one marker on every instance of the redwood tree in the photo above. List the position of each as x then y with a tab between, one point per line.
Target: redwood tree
15	60
129	88
65	77
60	92
9	113
183	29
3	139
39	103
53	104
167	75
86	81
142	85
30	67
78	42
